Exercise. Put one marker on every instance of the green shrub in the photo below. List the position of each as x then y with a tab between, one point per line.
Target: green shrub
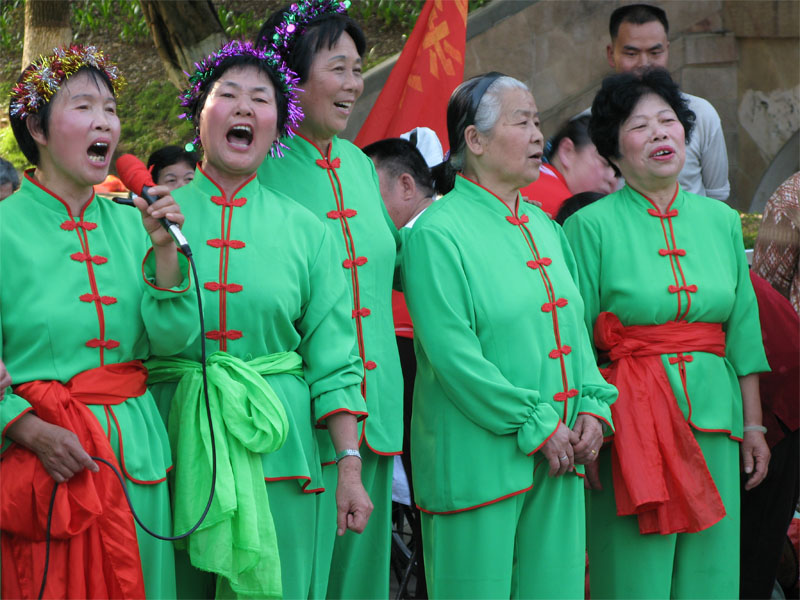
750	225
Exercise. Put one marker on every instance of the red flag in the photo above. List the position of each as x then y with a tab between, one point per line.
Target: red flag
428	70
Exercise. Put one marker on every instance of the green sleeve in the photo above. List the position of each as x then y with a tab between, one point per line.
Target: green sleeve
12	407
441	308
744	348
597	395
332	366
170	315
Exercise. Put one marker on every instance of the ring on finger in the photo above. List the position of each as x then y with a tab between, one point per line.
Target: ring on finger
565	457
594	451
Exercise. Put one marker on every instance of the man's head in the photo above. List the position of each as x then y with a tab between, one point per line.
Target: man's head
638	38
406	186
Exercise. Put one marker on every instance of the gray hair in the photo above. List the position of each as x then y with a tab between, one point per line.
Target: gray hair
8	174
486	115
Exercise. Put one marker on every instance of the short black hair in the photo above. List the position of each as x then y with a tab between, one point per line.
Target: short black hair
576	130
243	61
322	32
574	203
168	156
8	174
24	138
619	95
636	14
398	156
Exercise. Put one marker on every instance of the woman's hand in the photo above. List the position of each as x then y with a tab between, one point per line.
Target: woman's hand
558	450
353	506
5	378
591	481
59	449
589	431
755	456
165	206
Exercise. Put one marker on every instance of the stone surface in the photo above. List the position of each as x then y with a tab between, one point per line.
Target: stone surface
709	48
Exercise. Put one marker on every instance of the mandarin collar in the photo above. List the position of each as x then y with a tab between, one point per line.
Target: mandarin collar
642	201
484	196
209	187
309	149
49	199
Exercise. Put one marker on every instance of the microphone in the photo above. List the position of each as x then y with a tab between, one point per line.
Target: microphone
134	174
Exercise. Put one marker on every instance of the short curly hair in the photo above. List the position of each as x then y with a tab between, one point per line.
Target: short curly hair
620	94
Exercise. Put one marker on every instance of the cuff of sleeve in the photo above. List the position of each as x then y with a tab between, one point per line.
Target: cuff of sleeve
149	276
722	193
589	405
540	426
346	399
12	407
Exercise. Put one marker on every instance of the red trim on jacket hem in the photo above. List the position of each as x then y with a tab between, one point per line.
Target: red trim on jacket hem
539	447
458	510
128	476
304	485
155	287
360	416
378	452
725	431
15	419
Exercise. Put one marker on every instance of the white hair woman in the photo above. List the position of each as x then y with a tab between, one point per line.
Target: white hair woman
508	401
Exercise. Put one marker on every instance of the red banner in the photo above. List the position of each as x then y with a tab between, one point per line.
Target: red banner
426	73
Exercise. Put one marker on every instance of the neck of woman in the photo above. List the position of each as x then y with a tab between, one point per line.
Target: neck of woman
228	182
322	142
505	191
661	196
74	195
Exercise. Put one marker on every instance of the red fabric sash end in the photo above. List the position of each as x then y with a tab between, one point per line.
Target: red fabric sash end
659	471
93	550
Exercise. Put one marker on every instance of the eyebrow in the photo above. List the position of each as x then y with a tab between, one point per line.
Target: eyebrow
89	96
658	46
258	88
341	57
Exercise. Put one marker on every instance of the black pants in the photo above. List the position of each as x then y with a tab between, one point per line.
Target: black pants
766	513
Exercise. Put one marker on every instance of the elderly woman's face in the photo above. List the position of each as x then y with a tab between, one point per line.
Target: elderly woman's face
652	144
333	85
238	123
513	149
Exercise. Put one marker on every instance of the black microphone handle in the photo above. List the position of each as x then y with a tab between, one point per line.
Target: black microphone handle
172	228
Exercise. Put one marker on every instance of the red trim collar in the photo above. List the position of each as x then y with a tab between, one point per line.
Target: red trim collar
29	176
516	204
236	191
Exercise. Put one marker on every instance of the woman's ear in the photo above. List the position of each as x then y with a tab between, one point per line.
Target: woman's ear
566	153
408	185
474	140
34	125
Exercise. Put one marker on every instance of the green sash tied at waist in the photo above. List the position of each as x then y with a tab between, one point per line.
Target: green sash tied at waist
237	539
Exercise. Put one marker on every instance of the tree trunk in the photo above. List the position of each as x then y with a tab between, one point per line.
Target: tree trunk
184	32
46	27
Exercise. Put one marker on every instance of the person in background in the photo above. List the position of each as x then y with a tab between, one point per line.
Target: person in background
508	398
172	166
573	166
639	40
76	320
9	179
777	252
574	203
337	182
281	349
667	293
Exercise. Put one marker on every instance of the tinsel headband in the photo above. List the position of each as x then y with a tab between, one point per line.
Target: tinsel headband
296	19
42	79
204	73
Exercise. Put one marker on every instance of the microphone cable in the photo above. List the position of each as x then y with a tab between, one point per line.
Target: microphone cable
167	538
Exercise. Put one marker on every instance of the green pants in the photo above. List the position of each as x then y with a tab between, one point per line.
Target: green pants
527	546
360	564
625	564
294	515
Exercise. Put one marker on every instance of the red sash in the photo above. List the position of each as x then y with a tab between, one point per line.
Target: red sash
658	468
93	547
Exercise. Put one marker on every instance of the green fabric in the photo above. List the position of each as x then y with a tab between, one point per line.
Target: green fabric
528	546
374	236
44	328
616	245
237	539
625	564
485	386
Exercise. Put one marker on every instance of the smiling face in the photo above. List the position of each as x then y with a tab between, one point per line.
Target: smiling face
638	47
238	123
511	153
333	85
652	144
176	175
83	131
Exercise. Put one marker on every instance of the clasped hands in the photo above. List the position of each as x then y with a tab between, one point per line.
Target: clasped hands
579	445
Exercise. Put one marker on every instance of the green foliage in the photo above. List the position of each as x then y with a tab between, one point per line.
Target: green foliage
239	25
149	117
392	13
10	151
94	16
11	25
750	224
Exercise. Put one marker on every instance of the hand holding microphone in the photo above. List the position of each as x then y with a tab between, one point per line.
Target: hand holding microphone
157	206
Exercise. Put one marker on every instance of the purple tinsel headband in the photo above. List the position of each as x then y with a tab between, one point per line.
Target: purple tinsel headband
297	18
42	80
205	71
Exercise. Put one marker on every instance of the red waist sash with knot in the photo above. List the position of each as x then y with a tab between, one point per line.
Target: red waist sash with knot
659	471
93	547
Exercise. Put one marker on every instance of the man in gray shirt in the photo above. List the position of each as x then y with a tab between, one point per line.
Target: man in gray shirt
639	40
